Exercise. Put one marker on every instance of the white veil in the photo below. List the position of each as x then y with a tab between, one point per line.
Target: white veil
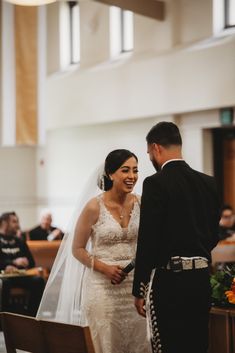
63	294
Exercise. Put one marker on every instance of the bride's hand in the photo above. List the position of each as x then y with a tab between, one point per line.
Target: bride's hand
114	273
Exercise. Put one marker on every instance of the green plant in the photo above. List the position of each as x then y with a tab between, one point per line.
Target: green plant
222	284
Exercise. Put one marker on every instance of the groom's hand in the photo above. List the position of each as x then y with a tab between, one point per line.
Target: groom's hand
140	306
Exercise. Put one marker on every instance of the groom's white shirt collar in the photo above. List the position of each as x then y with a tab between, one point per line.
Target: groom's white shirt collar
171	160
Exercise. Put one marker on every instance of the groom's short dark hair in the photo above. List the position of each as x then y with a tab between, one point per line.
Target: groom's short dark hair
165	134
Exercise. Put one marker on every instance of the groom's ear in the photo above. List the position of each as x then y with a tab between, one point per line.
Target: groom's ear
157	147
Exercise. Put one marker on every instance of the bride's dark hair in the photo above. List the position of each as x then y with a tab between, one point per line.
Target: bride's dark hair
113	161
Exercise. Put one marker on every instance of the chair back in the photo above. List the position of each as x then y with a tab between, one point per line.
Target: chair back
61	338
22	332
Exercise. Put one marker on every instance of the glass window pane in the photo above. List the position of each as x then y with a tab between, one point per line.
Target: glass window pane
115	31
128	31
75	34
121	31
64	36
230	13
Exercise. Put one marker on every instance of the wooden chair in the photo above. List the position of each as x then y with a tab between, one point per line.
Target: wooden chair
22	332
61	338
15	293
18	301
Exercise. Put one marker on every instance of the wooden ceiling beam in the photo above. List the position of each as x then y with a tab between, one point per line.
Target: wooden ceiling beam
149	8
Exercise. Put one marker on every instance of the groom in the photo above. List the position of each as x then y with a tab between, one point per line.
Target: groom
178	229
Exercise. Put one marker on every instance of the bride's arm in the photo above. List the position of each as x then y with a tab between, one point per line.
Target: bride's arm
83	229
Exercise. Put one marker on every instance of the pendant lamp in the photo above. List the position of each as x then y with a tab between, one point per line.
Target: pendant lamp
30	2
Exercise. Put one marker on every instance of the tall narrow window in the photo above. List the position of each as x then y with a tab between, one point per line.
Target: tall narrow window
121	31
229	13
74	32
127	30
69	34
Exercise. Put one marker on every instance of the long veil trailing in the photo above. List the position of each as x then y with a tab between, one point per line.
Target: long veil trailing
63	296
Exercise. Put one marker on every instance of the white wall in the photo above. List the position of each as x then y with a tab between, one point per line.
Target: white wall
18	183
176	67
195	20
94	29
197	138
186	80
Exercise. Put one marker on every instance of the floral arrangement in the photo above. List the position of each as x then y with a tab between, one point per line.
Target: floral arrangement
223	286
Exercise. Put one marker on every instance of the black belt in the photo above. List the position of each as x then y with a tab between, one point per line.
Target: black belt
178	263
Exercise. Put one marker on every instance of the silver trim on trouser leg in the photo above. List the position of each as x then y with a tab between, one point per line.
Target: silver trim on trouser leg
151	316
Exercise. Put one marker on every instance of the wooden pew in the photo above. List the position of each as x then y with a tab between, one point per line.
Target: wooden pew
223	252
44	252
219	331
61	338
232	318
22	332
39	336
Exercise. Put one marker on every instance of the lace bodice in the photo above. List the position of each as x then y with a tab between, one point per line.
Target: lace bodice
110	242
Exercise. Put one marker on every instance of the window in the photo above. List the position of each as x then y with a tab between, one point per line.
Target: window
223	16
126	30
70	34
229	13
121	31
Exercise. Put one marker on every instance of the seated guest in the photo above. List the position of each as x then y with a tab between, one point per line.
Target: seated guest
45	230
227	224
14	256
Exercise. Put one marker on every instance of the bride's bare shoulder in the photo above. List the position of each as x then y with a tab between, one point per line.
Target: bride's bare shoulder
92	205
137	197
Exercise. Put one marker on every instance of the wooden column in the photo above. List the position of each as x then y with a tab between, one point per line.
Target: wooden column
26	67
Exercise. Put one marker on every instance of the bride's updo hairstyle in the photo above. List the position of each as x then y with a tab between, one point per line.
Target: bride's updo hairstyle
113	161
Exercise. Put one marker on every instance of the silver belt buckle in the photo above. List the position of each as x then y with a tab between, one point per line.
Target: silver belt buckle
176	264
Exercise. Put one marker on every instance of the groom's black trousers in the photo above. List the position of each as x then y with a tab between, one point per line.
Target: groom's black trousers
180	311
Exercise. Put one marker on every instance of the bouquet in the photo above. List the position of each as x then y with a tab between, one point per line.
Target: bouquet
223	286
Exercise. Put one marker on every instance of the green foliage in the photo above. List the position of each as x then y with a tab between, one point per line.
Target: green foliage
221	281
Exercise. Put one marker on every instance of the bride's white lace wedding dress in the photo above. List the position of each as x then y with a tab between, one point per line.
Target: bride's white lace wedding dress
115	325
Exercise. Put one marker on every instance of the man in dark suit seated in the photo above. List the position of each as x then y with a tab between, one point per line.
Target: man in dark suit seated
45	230
15	256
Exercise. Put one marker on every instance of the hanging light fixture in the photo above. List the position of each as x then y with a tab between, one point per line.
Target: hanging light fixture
30	2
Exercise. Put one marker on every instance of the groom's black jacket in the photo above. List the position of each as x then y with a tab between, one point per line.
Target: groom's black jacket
179	216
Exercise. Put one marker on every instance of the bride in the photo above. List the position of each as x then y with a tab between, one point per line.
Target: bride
104	242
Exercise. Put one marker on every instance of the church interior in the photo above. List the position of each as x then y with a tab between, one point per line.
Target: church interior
81	78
